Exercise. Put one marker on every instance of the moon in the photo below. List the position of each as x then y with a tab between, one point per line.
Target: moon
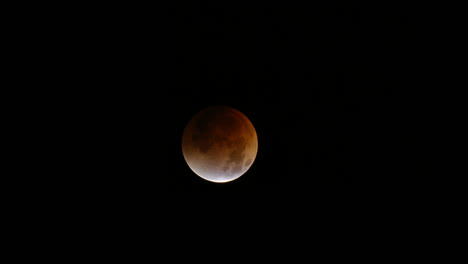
219	144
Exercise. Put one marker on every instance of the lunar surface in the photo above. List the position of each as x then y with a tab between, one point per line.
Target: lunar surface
219	144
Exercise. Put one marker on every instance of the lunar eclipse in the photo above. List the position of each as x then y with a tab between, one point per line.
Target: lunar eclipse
219	144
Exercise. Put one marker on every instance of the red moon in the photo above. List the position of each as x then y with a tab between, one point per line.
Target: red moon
219	144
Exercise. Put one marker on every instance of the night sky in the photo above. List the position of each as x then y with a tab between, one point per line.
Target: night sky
314	81
112	86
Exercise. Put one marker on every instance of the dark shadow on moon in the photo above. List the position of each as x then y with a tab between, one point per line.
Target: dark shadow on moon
202	141
203	128
237	156
247	163
236	169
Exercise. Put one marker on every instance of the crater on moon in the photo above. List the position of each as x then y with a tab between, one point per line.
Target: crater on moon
219	144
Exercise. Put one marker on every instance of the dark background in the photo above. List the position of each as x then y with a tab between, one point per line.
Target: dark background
112	87
317	82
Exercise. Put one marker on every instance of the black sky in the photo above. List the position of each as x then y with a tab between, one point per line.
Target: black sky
314	80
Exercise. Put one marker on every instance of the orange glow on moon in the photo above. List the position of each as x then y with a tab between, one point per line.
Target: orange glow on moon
219	144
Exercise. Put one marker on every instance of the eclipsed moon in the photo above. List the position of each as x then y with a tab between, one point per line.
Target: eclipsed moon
219	144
